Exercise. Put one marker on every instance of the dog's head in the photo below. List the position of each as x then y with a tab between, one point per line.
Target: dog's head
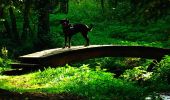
65	23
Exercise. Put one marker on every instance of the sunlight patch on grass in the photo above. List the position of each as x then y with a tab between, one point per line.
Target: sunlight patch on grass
81	81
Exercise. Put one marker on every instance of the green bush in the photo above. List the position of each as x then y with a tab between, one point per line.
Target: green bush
95	85
162	71
137	75
116	65
4	61
4	64
92	84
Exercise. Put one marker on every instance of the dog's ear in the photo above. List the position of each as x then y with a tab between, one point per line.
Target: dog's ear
64	21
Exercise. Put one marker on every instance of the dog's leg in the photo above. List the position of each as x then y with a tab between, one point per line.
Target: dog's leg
69	41
86	38
65	41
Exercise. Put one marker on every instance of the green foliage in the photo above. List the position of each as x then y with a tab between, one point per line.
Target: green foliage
82	11
92	84
4	52
162	71
4	61
137	74
116	65
4	64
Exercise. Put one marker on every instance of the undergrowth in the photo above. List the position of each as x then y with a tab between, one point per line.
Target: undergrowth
83	81
94	83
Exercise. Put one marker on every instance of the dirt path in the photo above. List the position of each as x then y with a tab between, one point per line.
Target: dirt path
7	95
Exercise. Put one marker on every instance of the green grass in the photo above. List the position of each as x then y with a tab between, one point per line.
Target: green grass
83	81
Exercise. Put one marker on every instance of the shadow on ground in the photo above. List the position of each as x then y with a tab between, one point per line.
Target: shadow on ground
8	95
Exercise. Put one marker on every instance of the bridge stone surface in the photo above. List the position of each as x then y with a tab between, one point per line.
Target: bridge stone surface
59	56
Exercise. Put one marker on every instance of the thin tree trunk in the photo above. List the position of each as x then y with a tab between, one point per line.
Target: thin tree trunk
43	24
5	22
115	3
67	6
102	5
64	6
7	27
26	24
14	25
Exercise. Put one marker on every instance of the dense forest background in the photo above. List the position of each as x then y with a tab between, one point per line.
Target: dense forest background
31	25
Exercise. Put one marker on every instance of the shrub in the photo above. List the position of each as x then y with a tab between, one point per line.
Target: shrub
94	84
137	75
4	64
83	81
162	72
4	61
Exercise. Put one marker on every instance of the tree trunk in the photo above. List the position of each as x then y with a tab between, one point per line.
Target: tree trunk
43	24
15	35
64	6
7	27
112	3
5	22
133	4
102	5
26	24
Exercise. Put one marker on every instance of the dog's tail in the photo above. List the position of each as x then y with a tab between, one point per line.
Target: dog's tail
90	27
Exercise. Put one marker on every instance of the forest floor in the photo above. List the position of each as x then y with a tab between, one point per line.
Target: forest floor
8	95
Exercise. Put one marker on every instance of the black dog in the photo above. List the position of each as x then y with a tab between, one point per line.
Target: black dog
69	30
